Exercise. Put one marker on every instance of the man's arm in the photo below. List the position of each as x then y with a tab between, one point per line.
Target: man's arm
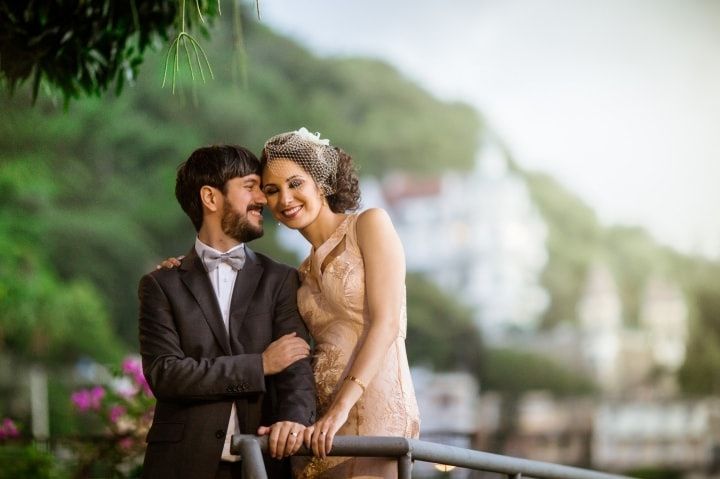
295	384
174	376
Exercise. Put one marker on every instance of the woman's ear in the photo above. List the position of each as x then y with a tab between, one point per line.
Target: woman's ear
210	197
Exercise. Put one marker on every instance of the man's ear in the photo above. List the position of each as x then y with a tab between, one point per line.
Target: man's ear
210	198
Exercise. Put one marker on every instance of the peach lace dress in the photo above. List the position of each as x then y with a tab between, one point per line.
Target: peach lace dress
332	302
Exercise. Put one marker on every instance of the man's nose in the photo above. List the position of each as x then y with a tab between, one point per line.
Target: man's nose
260	197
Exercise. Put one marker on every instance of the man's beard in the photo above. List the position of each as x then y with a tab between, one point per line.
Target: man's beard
237	226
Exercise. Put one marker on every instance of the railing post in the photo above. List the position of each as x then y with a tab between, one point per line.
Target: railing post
253	466
517	475
404	466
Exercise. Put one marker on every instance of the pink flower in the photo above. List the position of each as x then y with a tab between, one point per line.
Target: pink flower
116	412
145	387
8	429
132	367
88	399
81	400
125	443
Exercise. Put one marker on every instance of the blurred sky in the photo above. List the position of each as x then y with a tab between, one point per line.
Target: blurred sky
617	99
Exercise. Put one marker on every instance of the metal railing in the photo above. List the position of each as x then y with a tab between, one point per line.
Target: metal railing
407	450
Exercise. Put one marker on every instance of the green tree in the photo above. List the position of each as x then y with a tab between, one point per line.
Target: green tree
83	48
699	374
513	371
440	331
42	318
574	238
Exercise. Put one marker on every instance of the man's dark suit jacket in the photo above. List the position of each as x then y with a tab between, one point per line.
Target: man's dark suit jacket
197	370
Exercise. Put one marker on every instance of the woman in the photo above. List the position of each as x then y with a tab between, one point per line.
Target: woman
352	298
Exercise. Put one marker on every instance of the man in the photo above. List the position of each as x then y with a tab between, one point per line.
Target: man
223	346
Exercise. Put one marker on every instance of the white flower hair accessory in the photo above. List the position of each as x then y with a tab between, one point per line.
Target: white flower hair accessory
312	138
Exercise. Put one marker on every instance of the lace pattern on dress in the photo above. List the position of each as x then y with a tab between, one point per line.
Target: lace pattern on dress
328	368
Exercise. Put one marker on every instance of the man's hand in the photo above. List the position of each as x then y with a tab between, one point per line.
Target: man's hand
283	352
170	263
285	439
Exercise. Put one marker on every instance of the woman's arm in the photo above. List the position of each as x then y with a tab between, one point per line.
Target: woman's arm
384	261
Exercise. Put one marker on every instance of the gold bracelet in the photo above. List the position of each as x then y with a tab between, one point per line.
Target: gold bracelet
356	381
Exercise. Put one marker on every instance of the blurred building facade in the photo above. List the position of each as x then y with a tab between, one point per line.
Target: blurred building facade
600	322
616	435
624	360
552	430
448	404
605	434
677	435
625	357
476	235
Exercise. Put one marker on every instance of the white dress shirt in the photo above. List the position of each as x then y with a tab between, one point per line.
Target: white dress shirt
223	282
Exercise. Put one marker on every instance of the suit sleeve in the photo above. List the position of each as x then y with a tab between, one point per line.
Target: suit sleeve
172	375
295	385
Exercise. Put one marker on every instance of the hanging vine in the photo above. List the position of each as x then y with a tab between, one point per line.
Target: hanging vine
197	59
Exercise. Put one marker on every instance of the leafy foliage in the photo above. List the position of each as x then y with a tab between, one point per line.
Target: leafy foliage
82	48
573	243
29	460
698	375
440	331
513	372
41	315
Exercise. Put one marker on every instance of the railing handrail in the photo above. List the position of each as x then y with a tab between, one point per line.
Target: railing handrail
405	450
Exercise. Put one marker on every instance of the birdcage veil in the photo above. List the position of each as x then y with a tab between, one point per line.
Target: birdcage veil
313	154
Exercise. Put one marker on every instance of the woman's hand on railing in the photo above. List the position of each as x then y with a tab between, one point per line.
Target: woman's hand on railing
319	437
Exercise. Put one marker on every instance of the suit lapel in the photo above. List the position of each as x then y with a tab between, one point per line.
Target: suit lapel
195	278
246	283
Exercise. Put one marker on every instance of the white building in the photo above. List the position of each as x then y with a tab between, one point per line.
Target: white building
664	315
677	435
600	315
478	236
553	430
623	359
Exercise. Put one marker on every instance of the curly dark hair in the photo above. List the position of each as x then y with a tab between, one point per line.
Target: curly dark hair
347	185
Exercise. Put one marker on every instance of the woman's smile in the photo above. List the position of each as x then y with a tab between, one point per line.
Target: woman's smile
291	212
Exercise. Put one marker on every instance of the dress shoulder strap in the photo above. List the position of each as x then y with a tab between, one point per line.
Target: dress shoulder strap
351	234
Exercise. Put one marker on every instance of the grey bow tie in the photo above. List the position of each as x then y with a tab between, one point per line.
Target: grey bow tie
235	258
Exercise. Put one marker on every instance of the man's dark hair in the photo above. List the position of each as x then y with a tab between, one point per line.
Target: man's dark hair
211	166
